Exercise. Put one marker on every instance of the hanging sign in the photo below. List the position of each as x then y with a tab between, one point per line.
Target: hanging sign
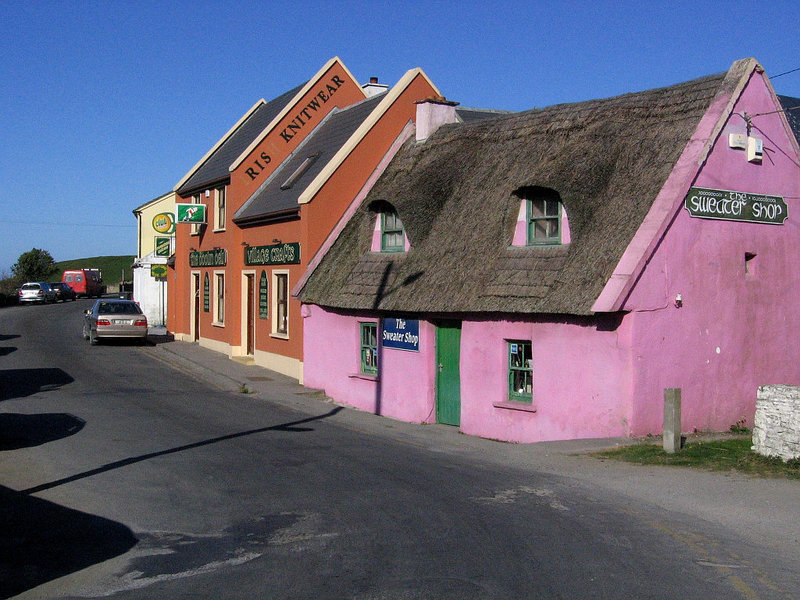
277	254
162	246
191	213
158	271
400	334
736	206
209	258
164	222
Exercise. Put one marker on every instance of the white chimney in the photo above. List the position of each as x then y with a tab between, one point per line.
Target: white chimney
373	87
432	113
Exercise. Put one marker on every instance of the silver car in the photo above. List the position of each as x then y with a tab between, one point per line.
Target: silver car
114	318
36	291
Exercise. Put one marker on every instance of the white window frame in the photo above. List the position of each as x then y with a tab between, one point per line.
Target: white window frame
274	304
196	199
220	202
219	299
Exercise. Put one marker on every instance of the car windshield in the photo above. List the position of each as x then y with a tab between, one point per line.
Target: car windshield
118	308
31	286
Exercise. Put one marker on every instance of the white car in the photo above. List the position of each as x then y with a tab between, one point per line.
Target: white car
36	291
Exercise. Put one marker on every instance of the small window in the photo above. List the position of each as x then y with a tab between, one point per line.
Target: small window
195	227
280	289
220	212
544	221
520	372
393	236
369	348
219	296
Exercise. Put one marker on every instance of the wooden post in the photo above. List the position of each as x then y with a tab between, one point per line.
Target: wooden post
672	420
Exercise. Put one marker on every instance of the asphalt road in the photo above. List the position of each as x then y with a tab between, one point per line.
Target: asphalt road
122	476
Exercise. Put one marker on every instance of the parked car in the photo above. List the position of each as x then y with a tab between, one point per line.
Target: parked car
36	291
114	318
63	291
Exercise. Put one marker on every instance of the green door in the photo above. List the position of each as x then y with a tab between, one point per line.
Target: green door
448	377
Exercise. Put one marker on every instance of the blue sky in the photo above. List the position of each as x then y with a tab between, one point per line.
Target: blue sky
106	105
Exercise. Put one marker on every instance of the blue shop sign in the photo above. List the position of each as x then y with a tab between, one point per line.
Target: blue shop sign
400	334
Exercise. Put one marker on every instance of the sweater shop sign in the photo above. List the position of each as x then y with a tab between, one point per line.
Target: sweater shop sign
276	254
736	206
400	334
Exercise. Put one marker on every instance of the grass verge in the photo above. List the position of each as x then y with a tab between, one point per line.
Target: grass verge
714	455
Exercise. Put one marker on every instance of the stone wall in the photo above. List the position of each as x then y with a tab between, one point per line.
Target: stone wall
776	427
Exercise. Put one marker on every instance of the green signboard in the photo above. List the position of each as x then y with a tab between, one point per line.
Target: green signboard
209	258
162	246
158	271
190	213
736	206
263	297
206	295
277	254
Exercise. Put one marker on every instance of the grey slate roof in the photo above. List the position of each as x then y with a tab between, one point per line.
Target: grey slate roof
270	200
455	194
215	168
791	106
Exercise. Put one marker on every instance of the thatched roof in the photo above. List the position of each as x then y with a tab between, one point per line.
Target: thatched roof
455	194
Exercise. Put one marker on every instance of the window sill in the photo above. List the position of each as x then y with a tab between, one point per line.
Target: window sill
364	376
279	336
217	324
520	406
218	230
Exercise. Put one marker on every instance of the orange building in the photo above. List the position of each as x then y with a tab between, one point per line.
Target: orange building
273	188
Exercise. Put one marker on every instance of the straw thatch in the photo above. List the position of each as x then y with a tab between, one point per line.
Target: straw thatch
455	193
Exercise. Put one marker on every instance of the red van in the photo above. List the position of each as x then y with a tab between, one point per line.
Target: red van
87	283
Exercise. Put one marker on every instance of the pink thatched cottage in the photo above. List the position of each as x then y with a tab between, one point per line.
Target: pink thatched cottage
546	275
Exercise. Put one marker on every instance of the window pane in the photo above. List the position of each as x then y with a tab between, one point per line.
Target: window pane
551	208
537	208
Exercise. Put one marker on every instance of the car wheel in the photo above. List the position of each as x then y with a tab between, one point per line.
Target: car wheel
93	338
84	333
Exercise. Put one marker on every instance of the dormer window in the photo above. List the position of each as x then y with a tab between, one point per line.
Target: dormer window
393	236
542	220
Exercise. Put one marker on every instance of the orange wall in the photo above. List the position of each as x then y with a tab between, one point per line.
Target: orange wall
317	218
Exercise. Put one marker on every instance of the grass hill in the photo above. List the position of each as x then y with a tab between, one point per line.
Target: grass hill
113	267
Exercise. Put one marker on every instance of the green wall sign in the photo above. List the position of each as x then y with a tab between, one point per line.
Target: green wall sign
206	294
263	297
277	254
209	258
162	246
158	271
736	206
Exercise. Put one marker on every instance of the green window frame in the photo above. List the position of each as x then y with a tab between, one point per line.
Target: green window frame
544	221
369	348
520	371
393	236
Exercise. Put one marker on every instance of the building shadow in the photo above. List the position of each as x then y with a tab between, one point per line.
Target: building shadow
41	541
23	431
18	383
4	350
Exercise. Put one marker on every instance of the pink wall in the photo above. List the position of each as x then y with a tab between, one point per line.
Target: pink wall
405	388
580	381
734	330
580	377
